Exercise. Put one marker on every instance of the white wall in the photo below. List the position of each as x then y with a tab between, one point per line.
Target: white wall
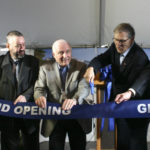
136	12
44	21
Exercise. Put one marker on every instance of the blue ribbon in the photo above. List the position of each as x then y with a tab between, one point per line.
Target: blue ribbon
128	109
92	87
106	74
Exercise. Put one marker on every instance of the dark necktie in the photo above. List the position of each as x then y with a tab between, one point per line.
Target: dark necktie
16	70
63	73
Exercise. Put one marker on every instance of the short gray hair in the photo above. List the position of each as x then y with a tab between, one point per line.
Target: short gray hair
125	27
59	41
13	33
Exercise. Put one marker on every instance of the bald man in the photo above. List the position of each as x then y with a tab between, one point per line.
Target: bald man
61	81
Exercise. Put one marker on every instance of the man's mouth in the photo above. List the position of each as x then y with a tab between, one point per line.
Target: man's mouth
21	52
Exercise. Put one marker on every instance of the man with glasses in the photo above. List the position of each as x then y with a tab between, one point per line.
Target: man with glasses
127	60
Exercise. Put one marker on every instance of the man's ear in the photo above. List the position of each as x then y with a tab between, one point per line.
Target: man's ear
53	54
7	45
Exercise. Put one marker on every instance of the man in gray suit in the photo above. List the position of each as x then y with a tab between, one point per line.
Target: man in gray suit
61	81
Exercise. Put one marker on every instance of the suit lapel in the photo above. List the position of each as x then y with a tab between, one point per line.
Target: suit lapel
69	74
7	67
8	71
24	70
117	58
57	74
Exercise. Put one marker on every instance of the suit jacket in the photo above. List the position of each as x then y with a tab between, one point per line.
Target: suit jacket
144	81
123	76
28	74
49	85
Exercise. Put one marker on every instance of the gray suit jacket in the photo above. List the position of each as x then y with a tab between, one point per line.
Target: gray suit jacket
49	85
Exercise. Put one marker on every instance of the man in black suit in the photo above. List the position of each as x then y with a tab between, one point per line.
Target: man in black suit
127	60
18	73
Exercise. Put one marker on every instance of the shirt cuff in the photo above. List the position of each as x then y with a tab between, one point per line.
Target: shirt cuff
133	91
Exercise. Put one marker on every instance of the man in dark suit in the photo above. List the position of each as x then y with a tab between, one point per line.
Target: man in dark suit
127	60
18	73
67	88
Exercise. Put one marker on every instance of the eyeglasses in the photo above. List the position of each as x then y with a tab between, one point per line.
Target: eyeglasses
120	41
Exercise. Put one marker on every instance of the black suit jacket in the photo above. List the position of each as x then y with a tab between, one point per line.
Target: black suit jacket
144	81
125	75
28	74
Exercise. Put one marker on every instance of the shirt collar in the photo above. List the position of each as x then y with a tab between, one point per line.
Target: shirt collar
68	66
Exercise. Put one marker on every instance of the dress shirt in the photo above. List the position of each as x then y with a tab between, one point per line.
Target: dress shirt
123	55
121	58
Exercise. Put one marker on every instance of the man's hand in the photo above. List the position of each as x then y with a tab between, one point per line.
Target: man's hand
123	97
68	104
21	99
41	102
89	74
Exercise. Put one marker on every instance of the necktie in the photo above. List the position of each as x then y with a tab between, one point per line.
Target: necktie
16	70
63	73
121	58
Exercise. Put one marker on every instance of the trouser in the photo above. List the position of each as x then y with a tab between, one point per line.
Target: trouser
76	135
132	134
18	137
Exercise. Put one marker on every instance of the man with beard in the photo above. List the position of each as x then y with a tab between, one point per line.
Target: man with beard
127	60
61	81
18	73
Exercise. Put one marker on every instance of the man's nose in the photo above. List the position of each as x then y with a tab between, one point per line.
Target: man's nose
22	47
64	54
119	44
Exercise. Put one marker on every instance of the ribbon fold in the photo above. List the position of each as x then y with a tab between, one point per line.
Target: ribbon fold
106	75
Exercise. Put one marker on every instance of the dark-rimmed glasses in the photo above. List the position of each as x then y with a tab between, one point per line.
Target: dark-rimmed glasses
120	41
